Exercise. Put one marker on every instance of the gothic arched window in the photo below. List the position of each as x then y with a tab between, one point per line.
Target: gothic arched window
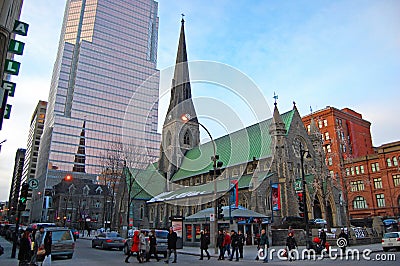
141	211
169	137
186	138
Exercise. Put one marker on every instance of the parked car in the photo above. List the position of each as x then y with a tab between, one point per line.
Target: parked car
318	221
63	243
162	242
10	232
108	240
288	219
391	240
44	225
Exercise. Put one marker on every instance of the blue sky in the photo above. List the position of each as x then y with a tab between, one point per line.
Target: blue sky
317	53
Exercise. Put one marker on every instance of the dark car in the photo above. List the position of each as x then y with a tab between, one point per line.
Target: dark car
10	232
63	243
108	240
290	219
162	242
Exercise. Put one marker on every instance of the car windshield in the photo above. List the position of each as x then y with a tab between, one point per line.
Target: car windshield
161	234
61	235
391	235
113	234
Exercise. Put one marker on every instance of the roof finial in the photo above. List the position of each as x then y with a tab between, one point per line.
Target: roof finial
182	18
310	109
294	104
275	97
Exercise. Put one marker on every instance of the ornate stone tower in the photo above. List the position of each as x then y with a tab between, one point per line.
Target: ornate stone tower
180	131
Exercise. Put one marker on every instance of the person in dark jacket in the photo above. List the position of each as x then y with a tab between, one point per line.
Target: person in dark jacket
24	255
241	243
47	243
153	246
172	238
220	244
235	245
322	236
346	243
264	245
204	242
291	245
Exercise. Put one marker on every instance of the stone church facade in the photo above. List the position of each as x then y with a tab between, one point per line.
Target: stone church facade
264	160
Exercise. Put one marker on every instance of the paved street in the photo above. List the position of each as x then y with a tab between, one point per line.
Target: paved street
85	255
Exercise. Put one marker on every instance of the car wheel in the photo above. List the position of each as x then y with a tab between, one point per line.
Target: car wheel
93	244
386	249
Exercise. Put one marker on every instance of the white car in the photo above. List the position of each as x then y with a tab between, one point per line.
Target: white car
319	221
391	240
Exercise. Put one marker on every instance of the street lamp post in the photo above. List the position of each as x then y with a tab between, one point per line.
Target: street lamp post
214	229
302	153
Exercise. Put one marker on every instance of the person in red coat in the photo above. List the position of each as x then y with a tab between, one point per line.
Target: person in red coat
227	243
135	248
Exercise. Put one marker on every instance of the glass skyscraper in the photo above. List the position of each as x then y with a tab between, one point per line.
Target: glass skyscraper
107	49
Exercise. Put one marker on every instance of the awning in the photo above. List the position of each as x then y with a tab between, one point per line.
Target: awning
239	212
206	191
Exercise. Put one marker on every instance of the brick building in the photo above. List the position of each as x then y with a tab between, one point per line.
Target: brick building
374	183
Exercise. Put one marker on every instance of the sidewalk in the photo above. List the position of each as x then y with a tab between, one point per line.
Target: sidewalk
250	252
6	259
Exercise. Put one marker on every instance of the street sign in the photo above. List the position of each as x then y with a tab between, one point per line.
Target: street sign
298	186
33	183
21	28
212	217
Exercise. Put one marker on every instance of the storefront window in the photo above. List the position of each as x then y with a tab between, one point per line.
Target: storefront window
189	232
197	227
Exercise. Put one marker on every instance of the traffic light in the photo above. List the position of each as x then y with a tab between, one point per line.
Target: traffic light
23	197
301	204
219	211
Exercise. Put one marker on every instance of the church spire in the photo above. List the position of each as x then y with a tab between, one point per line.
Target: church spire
181	94
179	135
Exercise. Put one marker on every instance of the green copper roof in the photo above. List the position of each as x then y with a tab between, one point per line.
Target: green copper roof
146	183
233	149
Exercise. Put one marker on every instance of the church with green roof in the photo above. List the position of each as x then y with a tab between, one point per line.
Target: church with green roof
256	170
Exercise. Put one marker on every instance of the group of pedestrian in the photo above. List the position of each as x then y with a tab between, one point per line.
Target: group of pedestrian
144	245
30	242
231	243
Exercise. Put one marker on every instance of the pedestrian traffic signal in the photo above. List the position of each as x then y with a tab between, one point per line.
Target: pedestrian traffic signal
301	204
219	211
24	192
23	197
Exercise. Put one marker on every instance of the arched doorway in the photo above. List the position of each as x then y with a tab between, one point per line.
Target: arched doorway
329	215
317	211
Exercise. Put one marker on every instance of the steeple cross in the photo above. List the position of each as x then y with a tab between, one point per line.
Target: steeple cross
275	97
